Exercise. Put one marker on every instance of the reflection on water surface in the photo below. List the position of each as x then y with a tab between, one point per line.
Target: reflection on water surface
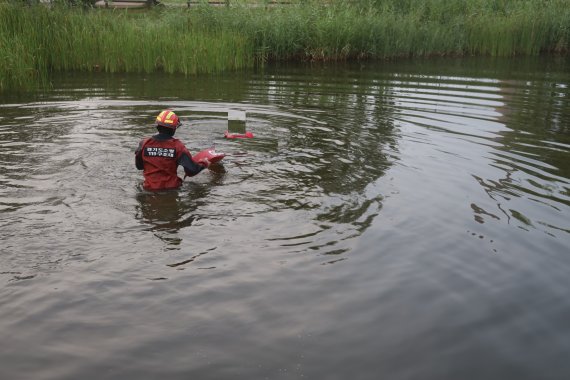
388	220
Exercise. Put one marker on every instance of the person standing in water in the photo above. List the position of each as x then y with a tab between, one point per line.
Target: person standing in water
159	156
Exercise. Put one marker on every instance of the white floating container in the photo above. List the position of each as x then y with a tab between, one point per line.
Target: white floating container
236	121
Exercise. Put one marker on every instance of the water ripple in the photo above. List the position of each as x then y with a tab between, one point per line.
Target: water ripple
370	195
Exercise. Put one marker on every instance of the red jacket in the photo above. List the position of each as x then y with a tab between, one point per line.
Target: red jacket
159	157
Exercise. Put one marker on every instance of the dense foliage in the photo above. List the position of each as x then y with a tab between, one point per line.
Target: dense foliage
36	40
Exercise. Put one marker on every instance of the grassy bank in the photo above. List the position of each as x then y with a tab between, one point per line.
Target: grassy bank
35	41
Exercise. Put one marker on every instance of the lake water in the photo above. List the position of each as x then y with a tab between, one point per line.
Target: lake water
405	220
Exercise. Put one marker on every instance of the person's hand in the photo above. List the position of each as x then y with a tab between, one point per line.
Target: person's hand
205	163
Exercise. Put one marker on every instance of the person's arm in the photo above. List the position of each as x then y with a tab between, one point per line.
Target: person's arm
138	157
191	168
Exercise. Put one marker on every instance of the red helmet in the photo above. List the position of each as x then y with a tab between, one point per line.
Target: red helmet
168	118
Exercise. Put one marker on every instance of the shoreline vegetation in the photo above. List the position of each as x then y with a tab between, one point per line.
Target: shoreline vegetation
38	40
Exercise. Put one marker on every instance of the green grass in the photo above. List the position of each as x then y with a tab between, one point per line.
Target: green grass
37	40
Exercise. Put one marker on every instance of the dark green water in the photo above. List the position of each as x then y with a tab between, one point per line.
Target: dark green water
404	220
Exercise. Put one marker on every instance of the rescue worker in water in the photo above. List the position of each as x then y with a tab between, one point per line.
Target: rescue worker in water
159	156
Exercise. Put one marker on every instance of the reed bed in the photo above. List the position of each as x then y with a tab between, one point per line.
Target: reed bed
37	40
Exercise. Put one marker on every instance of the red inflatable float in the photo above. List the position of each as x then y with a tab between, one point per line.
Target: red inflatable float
210	154
246	135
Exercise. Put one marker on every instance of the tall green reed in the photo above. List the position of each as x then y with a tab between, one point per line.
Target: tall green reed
35	41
